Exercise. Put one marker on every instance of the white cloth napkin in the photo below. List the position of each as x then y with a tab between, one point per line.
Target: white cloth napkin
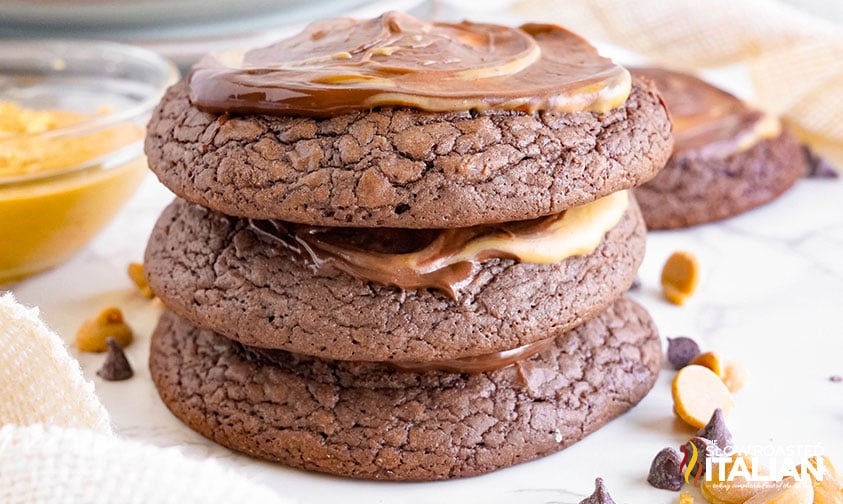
39	381
56	441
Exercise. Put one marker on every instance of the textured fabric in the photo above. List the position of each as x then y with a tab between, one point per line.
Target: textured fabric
56	443
794	59
52	464
39	381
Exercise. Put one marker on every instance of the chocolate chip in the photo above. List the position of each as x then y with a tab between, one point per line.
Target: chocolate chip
818	167
600	495
665	471
681	350
636	284
835	378
717	432
116	367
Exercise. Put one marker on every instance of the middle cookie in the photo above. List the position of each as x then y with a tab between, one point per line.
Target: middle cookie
497	289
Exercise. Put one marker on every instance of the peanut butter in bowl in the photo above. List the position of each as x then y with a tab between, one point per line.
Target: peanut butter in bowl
57	191
71	144
25	149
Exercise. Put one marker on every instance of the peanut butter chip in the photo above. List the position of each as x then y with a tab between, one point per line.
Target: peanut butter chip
734	375
828	487
728	485
109	323
680	276
697	392
789	491
137	275
600	495
711	360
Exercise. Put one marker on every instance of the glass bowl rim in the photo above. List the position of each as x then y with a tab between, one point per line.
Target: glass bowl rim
166	68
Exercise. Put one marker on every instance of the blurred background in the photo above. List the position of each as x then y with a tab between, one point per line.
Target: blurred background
790	50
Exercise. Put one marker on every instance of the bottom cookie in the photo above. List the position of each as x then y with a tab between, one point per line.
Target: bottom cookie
368	420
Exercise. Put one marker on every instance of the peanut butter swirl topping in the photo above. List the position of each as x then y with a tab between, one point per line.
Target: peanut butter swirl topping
447	259
706	120
342	65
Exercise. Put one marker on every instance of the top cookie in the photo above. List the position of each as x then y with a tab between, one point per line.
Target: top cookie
394	165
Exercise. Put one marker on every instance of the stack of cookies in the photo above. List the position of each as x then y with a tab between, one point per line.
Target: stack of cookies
400	249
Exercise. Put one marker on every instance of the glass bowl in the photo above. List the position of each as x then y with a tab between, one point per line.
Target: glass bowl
59	187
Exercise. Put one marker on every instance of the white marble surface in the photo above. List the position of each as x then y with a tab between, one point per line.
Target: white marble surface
771	297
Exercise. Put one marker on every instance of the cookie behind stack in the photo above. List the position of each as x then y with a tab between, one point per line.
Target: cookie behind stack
729	156
397	279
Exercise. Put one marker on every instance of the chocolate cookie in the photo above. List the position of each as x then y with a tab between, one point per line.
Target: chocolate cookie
367	420
403	167
728	157
217	272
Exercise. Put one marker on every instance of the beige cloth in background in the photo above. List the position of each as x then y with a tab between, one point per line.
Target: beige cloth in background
795	59
56	444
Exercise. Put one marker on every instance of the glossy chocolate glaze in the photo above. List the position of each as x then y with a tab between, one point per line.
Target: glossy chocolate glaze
469	365
478	364
343	65
707	120
445	259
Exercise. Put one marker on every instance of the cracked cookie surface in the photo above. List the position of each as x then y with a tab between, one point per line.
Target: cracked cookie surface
692	189
398	167
366	420
215	271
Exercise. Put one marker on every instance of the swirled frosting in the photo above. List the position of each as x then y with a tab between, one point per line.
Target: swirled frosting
708	121
342	65
446	259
